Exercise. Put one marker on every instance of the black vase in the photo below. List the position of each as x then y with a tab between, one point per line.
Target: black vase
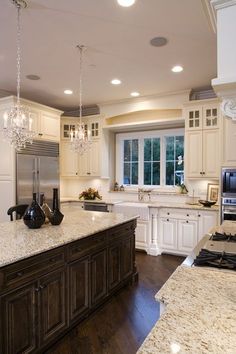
34	216
56	216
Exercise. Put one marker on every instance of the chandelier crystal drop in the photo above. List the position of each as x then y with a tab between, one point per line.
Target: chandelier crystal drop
80	136
17	124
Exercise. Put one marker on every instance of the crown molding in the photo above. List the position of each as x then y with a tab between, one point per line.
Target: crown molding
210	14
221	4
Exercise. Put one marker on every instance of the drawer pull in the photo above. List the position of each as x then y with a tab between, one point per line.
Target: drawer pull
167	219
168	213
37	290
187	221
199	215
187	214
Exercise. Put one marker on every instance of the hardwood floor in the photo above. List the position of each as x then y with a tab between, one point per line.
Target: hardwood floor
121	325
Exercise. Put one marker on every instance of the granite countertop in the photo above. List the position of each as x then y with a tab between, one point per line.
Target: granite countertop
74	199
18	242
200	314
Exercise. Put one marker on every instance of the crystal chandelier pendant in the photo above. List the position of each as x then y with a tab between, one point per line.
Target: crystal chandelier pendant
17	128
80	136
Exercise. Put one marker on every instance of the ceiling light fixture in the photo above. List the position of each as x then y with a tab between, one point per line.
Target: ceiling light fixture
80	136
158	41
135	94
33	77
68	92
17	128
177	69
126	3
115	82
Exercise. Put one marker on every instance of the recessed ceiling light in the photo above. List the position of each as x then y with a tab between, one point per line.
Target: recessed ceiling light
33	77
68	92
115	82
135	94
158	41
126	3
177	69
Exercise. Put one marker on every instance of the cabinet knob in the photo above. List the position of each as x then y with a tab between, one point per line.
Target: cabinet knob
88	173
19	274
200	173
187	214
187	222
203	173
40	134
76	173
168	213
199	215
167	219
37	290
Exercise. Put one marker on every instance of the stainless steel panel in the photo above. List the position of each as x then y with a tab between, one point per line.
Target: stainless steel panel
41	148
95	206
48	176
26	178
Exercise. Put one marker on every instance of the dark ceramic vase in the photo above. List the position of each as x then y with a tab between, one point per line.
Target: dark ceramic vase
56	216
34	216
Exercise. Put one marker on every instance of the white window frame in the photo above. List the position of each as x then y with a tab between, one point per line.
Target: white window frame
120	137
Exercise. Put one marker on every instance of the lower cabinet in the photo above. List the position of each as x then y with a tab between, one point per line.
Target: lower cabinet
142	235
41	299
187	235
98	276
168	234
19	311
78	288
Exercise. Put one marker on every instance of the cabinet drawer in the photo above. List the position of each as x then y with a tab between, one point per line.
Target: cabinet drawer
25	270
186	214
84	246
121	230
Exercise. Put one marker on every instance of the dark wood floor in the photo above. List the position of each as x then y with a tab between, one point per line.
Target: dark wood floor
121	325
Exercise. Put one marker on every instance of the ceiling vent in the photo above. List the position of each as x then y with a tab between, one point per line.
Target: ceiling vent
86	111
203	93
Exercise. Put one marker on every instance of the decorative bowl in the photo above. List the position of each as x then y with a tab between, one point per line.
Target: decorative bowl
206	203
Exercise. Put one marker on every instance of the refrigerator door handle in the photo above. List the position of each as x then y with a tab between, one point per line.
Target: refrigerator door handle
34	176
38	179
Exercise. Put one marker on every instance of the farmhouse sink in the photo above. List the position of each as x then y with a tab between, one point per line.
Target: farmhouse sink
132	209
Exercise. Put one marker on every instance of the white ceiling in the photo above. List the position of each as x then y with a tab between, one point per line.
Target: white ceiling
118	46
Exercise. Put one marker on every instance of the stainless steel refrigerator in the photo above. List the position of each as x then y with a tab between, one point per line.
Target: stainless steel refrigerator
37	171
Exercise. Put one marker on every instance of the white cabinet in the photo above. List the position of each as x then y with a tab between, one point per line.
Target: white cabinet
202	143
142	235
228	142
89	162
187	235
49	126
75	165
168	234
206	220
69	163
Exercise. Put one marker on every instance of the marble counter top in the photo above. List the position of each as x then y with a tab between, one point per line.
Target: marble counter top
18	242
150	204
200	314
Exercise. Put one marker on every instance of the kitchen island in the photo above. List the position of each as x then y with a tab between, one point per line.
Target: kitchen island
200	309
52	278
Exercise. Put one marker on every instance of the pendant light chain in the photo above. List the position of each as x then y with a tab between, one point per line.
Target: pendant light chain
17	128
18	57
81	48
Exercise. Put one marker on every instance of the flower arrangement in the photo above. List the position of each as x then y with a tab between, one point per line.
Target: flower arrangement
90	194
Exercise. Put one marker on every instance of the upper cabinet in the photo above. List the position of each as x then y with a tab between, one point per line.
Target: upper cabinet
73	164
228	142
202	140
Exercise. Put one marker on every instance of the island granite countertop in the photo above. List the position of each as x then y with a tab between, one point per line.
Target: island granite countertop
18	242
200	314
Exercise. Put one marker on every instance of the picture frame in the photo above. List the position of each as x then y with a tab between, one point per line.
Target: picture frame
213	192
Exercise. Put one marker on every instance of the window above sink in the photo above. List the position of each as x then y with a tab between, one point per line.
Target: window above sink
150	159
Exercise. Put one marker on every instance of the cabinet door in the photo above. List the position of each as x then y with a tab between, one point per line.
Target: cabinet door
210	116
52	316
95	129
114	265
211	154
127	256
229	142
207	220
194	154
78	288
187	235
98	276
69	161
141	235
84	164
50	126
168	234
18	321
94	162
193	118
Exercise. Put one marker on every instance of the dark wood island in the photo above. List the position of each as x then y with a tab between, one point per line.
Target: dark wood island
54	277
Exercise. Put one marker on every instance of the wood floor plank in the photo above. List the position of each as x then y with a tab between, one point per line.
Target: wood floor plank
121	325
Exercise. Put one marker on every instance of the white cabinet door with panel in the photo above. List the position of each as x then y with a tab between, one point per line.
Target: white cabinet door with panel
228	142
89	162
49	126
187	235
207	220
142	235
69	161
193	154
211	154
168	234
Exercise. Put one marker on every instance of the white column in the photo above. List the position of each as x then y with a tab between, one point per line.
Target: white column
153	248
